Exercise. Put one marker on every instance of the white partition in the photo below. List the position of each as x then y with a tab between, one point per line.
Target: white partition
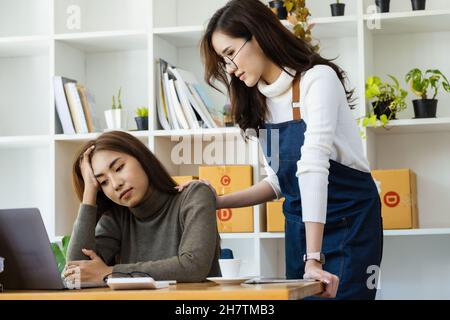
108	44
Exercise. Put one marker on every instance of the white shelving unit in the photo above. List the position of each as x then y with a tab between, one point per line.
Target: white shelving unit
116	45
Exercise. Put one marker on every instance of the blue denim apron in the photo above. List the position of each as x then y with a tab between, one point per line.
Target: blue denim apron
353	233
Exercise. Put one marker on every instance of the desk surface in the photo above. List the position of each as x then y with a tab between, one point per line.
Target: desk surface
182	291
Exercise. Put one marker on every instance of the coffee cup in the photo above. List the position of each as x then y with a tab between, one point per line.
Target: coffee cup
230	267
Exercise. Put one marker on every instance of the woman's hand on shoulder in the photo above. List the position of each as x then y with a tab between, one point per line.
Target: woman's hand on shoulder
186	184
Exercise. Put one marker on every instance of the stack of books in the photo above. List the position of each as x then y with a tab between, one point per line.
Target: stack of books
74	107
182	101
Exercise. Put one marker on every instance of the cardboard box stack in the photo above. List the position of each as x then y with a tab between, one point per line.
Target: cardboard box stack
398	197
229	179
275	216
183	179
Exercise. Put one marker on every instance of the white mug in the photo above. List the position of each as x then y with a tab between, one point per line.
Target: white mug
230	267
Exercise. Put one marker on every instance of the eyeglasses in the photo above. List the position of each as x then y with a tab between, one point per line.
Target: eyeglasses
229	62
133	274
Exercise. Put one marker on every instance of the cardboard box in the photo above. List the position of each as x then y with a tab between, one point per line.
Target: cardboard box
398	197
226	180
235	220
275	216
183	179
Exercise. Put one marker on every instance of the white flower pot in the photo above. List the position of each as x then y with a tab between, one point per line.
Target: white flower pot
116	119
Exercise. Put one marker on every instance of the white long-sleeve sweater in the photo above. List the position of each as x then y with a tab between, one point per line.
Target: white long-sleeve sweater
331	133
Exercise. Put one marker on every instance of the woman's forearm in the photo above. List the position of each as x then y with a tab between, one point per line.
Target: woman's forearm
83	233
256	194
314	236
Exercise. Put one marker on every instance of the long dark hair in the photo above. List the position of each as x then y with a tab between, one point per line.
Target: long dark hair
251	18
123	142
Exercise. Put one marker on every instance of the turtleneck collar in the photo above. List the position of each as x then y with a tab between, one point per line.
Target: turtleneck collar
280	86
152	205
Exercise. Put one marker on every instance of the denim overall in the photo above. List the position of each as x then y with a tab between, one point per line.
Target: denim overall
353	233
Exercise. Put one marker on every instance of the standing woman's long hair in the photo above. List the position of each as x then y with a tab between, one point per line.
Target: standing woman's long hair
123	142
244	19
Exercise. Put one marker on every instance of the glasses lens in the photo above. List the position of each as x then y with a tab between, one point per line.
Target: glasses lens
229	64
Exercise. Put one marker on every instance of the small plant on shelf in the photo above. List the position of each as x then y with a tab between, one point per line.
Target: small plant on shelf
420	83
116	117
141	118
298	16
386	101
119	101
337	8
383	5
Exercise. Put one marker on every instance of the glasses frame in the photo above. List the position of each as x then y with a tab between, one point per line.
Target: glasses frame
227	65
133	274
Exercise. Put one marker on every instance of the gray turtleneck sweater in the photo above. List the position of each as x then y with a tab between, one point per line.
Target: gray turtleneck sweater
170	237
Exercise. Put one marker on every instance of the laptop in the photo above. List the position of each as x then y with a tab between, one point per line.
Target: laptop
29	261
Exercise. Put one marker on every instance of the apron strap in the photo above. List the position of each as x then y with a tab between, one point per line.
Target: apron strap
296	115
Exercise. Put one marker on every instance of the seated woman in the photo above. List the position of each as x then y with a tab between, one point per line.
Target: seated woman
132	219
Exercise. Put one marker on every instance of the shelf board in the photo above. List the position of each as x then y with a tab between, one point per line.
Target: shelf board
24	46
196	132
387	233
329	27
417	232
411	22
271	235
106	41
24	141
403	126
84	137
237	235
181	36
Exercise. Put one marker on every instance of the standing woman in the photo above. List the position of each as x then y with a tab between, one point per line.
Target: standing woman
277	82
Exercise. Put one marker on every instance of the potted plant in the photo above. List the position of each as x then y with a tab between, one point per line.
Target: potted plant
60	252
278	8
389	100
418	4
115	116
142	118
337	9
383	5
420	83
298	16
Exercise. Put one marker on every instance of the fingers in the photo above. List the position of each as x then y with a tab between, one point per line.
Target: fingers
330	281
91	254
86	154
71	264
331	285
70	271
184	185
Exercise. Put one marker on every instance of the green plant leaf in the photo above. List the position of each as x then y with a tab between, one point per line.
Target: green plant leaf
59	257
384	120
65	245
394	79
365	122
289	5
373	120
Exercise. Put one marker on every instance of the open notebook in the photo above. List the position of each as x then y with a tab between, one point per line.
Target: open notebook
137	283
